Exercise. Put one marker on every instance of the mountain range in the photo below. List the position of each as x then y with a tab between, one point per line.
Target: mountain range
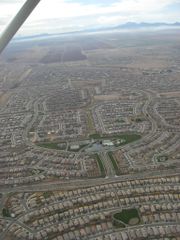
126	26
134	25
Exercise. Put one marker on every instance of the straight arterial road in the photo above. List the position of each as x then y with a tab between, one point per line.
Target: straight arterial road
73	184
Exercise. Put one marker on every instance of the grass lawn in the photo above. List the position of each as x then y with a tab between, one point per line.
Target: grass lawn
95	136
128	138
162	158
51	145
47	194
6	213
101	166
126	215
114	163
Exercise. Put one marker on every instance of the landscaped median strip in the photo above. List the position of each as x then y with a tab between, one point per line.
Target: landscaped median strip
114	163
100	164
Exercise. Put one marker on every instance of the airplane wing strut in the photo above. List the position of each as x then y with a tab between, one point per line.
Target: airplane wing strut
17	22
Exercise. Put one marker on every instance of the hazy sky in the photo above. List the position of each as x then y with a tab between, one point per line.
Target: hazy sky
68	15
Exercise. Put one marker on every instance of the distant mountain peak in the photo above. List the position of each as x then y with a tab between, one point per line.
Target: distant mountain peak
125	26
135	25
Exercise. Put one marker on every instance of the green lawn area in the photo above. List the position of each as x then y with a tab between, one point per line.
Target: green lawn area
126	215
139	120
95	136
101	166
162	158
51	145
127	137
6	213
47	194
114	163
